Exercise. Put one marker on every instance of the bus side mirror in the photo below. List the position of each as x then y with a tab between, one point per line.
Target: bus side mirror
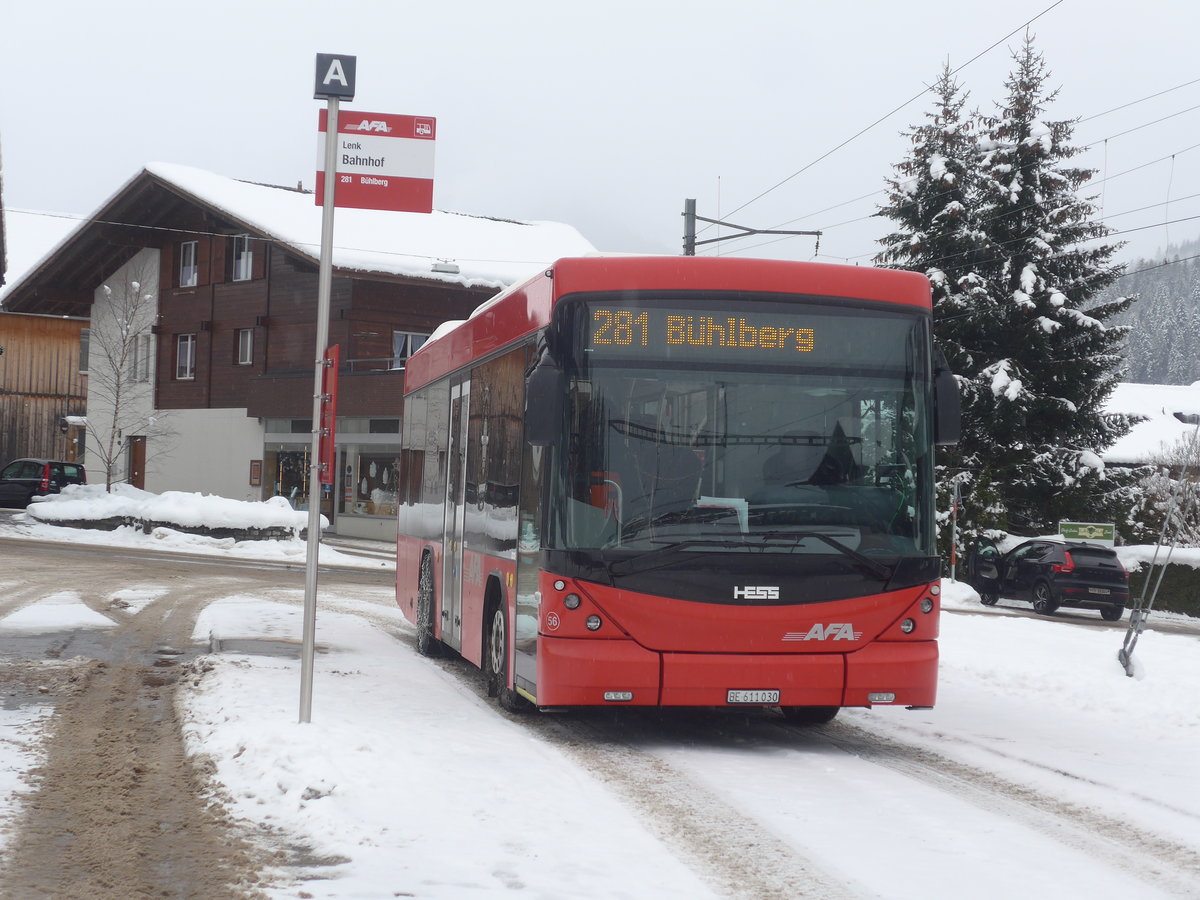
545	392
947	424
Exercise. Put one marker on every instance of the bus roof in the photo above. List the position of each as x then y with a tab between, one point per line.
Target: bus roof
526	307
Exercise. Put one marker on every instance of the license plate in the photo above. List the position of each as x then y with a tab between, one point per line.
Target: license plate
1104	591
764	697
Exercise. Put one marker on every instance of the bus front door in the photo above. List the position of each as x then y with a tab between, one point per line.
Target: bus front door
455	516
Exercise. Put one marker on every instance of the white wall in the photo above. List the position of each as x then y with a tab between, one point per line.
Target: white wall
209	452
136	415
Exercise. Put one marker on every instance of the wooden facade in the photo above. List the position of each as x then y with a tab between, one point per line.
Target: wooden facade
278	305
41	383
249	332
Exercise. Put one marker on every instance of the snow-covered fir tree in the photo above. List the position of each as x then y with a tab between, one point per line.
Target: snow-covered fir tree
932	201
1054	356
1017	314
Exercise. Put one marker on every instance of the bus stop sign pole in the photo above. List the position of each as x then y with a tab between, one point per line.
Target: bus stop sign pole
334	83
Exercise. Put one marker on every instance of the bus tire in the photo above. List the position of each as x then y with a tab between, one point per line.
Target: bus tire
496	663
427	644
809	715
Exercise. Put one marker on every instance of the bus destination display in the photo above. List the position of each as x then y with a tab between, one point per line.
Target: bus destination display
806	335
663	328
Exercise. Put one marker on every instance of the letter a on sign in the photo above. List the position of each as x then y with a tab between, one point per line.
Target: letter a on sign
335	76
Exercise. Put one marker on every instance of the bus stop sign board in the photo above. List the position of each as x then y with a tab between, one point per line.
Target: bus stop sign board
384	161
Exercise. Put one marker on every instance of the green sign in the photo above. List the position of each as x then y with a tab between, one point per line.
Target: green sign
1092	532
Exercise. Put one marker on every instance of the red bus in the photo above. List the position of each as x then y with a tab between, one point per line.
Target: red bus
681	481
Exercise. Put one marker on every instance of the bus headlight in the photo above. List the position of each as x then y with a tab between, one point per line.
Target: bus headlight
927	605
908	626
593	623
572	601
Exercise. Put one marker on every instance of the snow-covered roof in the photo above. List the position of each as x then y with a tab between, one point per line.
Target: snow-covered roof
487	252
455	248
31	238
1161	432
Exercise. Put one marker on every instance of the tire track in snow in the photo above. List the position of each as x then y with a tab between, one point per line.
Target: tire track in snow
732	852
1169	866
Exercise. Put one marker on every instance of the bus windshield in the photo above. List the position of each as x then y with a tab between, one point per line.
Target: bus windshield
801	430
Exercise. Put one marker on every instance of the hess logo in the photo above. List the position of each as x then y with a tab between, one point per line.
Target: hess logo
756	592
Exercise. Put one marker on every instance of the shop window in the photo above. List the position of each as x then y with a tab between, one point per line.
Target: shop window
375	490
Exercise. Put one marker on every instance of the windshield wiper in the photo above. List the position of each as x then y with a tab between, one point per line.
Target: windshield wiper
638	563
873	566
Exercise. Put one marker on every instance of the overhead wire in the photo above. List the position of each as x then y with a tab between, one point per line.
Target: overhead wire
1092	117
892	112
1015	211
271	239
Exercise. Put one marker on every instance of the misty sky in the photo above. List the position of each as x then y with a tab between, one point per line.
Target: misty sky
603	115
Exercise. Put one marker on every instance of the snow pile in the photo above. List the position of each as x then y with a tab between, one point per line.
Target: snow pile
91	502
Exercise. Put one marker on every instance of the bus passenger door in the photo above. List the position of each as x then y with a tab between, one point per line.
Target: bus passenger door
455	516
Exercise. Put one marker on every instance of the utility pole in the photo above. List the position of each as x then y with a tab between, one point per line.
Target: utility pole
689	230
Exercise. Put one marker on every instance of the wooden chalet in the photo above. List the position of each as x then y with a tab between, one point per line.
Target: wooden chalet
228	353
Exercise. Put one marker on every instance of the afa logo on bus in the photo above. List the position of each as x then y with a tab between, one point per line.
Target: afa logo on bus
838	631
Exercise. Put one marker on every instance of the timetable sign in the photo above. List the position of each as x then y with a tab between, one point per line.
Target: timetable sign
383	161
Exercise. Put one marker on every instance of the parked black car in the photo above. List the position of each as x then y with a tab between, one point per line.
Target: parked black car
23	479
1053	574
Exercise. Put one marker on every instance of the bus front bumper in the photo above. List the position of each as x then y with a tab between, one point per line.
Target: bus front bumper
582	672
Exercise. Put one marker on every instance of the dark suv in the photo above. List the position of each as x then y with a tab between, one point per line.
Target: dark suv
1053	574
23	479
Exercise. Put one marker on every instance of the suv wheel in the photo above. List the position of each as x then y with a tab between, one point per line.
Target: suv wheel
1044	603
989	598
1112	613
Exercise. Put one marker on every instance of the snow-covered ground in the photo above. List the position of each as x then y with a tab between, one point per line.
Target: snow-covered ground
408	783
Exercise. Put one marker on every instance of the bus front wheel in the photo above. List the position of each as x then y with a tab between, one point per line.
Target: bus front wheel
497	664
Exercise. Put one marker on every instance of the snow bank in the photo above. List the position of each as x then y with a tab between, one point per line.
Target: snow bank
80	503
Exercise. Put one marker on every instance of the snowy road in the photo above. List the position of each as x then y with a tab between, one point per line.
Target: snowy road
1042	765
